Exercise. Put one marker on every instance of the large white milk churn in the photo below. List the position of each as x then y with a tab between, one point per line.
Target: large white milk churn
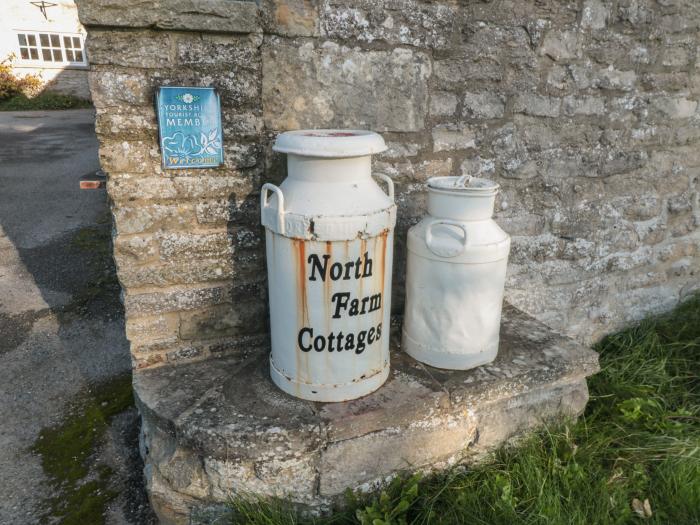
329	239
456	270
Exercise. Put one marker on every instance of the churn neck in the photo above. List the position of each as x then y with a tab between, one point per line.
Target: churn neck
462	199
329	155
328	170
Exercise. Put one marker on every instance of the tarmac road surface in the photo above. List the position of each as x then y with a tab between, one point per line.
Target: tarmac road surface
61	328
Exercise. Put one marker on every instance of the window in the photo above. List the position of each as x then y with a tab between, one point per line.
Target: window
51	48
74	48
28	49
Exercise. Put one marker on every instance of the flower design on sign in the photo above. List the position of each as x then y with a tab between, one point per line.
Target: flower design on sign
180	145
210	143
184	146
187	98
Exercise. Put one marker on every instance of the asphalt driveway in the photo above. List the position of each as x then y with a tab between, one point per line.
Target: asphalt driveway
61	323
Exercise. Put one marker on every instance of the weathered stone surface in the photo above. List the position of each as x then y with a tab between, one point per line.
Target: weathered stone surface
585	112
483	105
138	49
561	45
291	17
449	137
339	86
175	299
443	104
409	22
224	16
218	428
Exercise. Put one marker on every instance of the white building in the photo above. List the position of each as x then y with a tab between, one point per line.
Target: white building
46	38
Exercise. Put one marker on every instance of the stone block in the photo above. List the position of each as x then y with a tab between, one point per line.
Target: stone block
451	72
587	76
124	187
584	105
443	104
561	45
451	137
127	125
291	17
594	15
483	105
216	52
135	249
189	244
175	299
205	186
396	22
221	16
162	328
138	49
115	87
338	86
216	428
537	105
129	156
399	150
242	123
675	107
225	320
141	218
181	271
677	57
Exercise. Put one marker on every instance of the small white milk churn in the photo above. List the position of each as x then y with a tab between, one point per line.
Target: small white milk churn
456	270
329	239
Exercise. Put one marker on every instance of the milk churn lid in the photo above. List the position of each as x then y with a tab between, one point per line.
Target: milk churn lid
330	143
473	185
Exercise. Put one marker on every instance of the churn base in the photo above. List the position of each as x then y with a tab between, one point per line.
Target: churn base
446	360
328	393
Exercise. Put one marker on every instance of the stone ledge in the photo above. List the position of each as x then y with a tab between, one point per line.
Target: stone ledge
214	428
220	16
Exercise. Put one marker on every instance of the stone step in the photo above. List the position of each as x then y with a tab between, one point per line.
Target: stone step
215	428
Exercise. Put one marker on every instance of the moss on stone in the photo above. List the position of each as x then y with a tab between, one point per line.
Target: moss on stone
82	489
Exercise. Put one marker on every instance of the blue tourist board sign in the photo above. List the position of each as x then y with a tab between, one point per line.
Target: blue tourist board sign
189	125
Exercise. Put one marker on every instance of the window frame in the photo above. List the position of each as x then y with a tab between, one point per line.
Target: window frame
51	48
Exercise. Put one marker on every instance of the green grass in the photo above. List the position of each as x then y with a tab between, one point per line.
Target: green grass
44	101
66	451
638	440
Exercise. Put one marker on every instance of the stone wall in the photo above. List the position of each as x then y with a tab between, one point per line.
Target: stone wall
585	111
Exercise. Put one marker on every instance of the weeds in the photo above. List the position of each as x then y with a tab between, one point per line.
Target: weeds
66	449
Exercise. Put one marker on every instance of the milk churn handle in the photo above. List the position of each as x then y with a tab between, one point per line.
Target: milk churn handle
443	252
389	183
265	201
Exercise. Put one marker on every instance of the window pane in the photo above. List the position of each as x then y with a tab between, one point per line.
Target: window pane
24	52
46	54
78	56
22	40
44	39
55	41
57	55
76	43
69	55
34	53
67	42
32	40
